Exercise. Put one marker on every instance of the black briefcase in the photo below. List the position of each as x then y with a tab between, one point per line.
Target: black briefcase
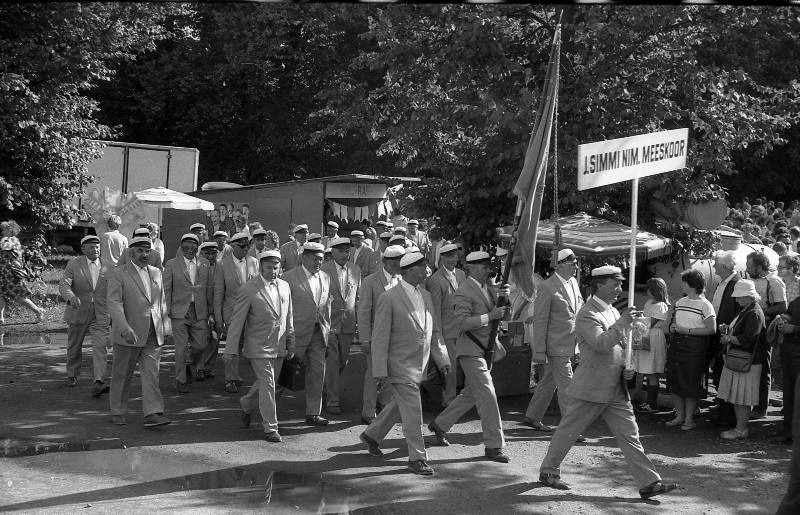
293	374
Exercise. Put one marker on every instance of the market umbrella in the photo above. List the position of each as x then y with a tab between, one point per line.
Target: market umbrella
165	197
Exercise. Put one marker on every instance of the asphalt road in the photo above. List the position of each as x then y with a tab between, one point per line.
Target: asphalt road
205	462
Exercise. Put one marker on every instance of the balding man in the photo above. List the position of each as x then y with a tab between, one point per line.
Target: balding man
726	309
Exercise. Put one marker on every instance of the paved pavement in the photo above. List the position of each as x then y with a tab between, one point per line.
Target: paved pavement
205	462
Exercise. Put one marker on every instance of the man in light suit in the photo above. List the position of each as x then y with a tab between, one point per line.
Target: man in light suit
442	286
189	293
262	321
599	387
331	233
345	281
405	335
235	269
209	250
361	255
112	242
474	307
311	311
258	242
372	287
555	308
155	257
292	250
84	288
138	310
420	238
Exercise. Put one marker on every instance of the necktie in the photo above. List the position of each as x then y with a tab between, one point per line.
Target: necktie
272	288
94	271
343	280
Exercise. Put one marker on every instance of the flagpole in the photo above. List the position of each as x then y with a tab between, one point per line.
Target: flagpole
632	260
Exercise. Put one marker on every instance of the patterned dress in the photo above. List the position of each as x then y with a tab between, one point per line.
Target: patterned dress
13	275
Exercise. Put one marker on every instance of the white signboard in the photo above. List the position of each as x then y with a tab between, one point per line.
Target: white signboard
354	190
624	159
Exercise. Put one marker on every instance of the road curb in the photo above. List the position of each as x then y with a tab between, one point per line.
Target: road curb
16	448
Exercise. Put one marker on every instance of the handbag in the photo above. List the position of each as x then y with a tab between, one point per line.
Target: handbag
739	360
293	374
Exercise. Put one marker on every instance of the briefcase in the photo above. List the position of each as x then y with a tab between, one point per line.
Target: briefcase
293	374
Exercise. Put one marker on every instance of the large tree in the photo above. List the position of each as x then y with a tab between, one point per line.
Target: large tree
461	85
53	55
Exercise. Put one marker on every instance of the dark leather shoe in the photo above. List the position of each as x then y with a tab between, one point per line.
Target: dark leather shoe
72	381
441	435
99	388
537	425
231	387
553	481
420	467
580	439
155	420
656	488
208	373
200	374
497	455
245	418
783	438
316	420
273	437
373	447
367	420
181	387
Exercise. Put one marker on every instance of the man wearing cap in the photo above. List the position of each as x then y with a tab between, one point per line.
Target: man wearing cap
262	322
198	230
235	269
555	308
221	239
398	239
361	255
405	335
292	250
84	288
189	293
138	310
258	243
599	387
331	233
345	282
442	286
474	307
112	242
311	311
377	254
209	251
372	287
153	259
420	238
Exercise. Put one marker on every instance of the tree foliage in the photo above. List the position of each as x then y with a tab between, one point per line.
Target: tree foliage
53	55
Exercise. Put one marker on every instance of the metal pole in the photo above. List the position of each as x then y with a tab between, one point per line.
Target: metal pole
632	269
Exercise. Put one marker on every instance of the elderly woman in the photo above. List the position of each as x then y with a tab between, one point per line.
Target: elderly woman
745	332
13	273
692	323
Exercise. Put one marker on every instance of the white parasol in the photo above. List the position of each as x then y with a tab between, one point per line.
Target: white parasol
165	197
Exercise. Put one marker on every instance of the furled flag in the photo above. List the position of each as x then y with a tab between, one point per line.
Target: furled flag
529	188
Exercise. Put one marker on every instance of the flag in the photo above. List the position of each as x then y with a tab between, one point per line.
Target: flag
529	188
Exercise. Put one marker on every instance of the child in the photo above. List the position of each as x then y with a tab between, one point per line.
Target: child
651	363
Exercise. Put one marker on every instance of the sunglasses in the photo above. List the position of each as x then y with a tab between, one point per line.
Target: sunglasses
188	248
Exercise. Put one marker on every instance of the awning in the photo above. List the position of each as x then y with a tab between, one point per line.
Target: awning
590	236
164	197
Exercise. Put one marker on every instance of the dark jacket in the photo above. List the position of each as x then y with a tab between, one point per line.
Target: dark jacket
749	330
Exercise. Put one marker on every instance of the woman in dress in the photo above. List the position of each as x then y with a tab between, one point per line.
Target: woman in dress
650	363
13	273
692	324
745	332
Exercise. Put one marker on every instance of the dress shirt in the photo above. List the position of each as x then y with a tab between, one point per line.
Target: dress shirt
572	291
716	301
94	271
241	266
315	281
191	268
416	298
272	293
342	276
451	277
391	280
144	275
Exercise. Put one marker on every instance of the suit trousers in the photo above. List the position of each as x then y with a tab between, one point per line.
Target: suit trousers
314	357
373	392
478	392
451	379
76	333
124	362
765	382
618	415
405	407
190	336
557	376
211	352
335	363
262	394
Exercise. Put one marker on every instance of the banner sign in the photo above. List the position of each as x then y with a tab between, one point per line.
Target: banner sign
354	190
623	159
